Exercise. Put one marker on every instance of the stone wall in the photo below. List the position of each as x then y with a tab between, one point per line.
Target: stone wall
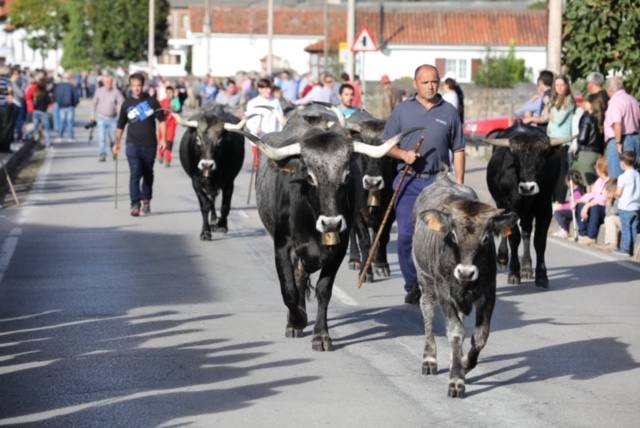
479	102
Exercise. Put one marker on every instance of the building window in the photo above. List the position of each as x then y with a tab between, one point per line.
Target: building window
457	69
185	22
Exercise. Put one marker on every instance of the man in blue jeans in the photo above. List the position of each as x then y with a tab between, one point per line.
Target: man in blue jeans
442	134
66	98
139	113
106	105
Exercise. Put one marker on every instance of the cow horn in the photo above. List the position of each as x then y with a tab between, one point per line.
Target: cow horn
279	153
560	141
381	150
279	116
235	127
498	142
335	110
185	123
354	127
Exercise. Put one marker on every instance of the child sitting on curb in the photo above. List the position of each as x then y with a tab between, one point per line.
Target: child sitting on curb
563	212
628	193
611	219
590	207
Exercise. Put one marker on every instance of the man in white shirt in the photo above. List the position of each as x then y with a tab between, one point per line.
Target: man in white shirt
268	113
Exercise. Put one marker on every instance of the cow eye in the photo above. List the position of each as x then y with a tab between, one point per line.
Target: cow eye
485	239
453	237
346	176
311	179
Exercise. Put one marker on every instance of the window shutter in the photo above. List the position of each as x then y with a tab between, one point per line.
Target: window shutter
475	66
440	65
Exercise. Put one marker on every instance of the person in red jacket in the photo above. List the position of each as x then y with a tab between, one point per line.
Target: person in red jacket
164	153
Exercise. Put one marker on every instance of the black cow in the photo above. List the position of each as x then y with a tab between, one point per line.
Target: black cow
455	258
522	174
211	153
373	178
304	194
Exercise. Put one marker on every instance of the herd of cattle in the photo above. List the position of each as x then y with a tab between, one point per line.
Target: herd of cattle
324	181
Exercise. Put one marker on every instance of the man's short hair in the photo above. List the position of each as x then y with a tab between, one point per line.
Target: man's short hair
168	88
231	82
420	67
547	77
137	76
628	158
346	86
344	76
595	78
615	83
264	83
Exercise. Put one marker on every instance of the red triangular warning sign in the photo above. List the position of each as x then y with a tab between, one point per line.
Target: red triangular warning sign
364	42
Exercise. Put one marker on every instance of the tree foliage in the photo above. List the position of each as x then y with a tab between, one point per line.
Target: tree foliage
604	36
76	48
501	71
45	22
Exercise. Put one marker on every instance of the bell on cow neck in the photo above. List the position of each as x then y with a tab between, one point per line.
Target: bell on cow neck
330	238
374	199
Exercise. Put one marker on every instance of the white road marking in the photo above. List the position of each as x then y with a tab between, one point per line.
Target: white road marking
344	298
596	254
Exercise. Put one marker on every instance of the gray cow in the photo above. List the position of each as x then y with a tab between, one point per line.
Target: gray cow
454	253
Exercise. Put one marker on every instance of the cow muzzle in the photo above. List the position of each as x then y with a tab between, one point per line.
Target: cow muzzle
206	166
528	188
330	228
465	273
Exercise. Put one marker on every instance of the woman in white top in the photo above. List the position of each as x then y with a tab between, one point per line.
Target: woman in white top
266	120
449	93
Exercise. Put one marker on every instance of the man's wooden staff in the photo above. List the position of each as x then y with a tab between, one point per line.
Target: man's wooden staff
387	213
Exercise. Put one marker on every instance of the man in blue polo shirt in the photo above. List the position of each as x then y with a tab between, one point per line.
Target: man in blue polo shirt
442	134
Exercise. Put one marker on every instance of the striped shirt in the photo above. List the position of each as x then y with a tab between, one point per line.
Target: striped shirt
5	85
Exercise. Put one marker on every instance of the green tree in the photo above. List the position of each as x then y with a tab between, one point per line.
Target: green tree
44	21
119	29
603	35
75	42
501	72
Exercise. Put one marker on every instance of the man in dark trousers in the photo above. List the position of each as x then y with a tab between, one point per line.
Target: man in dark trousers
140	112
442	134
7	111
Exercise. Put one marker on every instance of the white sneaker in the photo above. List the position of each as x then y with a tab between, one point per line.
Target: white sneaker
560	233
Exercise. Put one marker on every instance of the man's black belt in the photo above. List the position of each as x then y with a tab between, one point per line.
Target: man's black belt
422	174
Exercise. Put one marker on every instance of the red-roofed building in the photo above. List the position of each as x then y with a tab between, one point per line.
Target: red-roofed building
454	40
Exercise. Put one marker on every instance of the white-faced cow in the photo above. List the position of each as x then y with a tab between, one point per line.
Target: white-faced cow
522	175
211	153
455	258
304	194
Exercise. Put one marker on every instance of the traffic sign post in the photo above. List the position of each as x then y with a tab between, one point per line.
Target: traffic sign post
365	42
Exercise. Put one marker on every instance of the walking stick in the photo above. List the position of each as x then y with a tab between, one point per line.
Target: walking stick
387	213
573	211
115	185
10	183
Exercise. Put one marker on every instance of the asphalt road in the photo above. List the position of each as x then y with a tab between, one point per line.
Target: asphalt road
112	321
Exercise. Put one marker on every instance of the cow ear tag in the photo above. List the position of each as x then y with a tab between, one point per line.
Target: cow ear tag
432	222
506	231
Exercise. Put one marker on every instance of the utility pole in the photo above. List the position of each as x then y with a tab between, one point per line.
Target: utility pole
554	41
325	20
206	27
269	38
351	27
152	39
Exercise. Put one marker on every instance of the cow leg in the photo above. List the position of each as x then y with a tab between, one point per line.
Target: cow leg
227	193
302	284
540	244
364	242
427	303
503	254
205	207
354	249
455	334
297	316
526	271
484	310
514	264
381	265
321	340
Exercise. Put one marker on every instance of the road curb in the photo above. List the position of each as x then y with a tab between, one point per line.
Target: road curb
13	161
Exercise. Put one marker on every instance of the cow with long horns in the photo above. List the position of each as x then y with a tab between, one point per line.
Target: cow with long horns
304	195
521	175
211	153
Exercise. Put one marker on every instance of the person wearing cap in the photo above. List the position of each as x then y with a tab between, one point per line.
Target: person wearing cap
595	85
392	96
442	132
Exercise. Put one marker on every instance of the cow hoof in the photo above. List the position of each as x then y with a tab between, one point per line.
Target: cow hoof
369	278
513	279
429	368
355	265
382	270
297	319
526	273
322	344
501	265
220	229
293	332
542	282
456	388
205	236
